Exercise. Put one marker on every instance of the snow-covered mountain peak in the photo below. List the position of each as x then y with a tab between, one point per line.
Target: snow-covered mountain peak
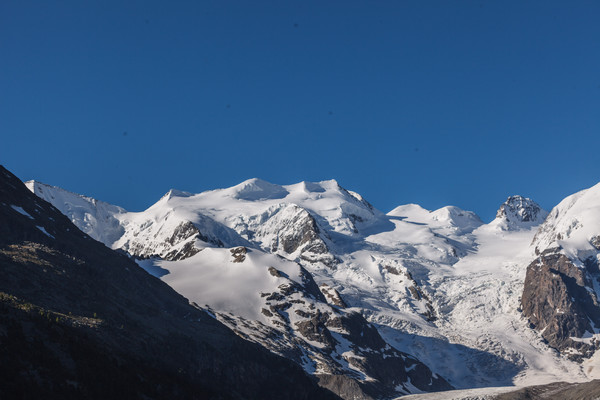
574	225
457	218
256	189
336	209
175	193
295	221
44	190
311	187
329	184
454	218
94	217
315	189
358	197
410	212
519	212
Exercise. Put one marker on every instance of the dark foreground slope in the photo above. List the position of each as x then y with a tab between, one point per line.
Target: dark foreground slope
78	320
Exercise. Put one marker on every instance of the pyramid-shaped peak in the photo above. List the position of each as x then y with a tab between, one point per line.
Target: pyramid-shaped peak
176	193
518	209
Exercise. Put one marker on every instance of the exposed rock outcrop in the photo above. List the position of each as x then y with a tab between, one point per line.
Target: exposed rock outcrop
559	300
156	239
288	230
180	244
347	353
519	212
239	254
332	296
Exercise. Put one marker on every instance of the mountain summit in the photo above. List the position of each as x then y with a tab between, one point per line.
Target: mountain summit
519	212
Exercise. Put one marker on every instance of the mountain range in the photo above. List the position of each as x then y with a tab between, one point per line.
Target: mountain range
370	305
82	321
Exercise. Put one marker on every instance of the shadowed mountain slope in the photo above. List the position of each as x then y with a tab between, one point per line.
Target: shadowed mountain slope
79	320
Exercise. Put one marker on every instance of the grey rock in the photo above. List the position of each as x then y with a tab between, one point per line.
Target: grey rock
239	254
519	212
558	301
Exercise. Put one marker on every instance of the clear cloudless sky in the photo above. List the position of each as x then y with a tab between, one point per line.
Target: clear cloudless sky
429	102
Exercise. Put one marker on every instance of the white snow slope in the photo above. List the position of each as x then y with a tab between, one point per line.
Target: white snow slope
96	218
440	285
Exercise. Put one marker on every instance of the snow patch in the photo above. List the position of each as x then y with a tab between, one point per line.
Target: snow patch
41	228
21	211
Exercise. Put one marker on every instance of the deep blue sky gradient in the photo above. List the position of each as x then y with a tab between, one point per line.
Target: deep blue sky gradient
429	102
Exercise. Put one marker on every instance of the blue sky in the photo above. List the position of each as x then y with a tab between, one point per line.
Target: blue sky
429	102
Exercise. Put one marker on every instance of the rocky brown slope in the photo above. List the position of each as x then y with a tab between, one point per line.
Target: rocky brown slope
79	320
559	300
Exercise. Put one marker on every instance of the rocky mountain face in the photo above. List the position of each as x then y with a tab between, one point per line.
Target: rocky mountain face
378	305
560	296
519	212
82	321
560	301
287	229
311	325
